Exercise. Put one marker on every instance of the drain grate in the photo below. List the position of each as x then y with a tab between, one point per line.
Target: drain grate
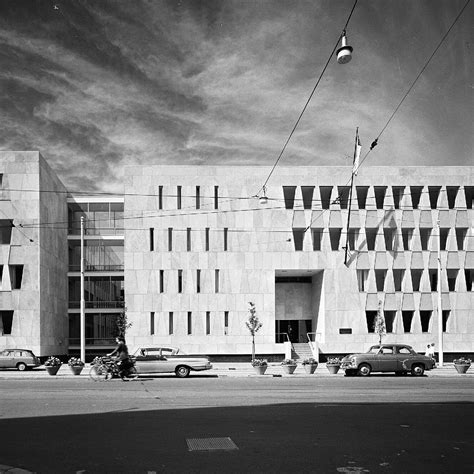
210	444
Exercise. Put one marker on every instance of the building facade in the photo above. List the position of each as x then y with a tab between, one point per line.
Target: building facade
199	246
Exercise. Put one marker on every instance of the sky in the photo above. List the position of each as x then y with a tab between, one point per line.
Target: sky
95	85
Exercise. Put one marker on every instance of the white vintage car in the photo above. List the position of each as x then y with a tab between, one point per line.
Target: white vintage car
161	360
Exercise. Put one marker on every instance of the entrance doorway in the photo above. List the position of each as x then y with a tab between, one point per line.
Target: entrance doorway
294	330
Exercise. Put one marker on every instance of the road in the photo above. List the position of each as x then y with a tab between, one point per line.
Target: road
378	424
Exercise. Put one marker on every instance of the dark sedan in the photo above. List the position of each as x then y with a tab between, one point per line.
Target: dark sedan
398	358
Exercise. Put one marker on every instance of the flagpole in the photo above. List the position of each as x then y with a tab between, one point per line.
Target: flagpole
350	195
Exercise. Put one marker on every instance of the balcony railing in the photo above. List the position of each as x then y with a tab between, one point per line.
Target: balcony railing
76	230
97	268
98	304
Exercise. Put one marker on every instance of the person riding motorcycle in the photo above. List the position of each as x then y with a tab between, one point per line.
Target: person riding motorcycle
122	359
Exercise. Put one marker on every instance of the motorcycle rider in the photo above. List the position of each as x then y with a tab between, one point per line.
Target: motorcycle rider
122	359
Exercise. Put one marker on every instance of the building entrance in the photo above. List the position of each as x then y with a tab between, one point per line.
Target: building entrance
293	330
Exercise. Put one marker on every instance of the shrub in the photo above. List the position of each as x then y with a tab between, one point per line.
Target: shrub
288	362
75	362
309	361
259	362
334	361
462	361
52	362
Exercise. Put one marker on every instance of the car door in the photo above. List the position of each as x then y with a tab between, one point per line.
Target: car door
8	359
3	359
404	355
387	360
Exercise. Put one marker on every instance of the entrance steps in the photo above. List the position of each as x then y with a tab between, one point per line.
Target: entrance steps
301	351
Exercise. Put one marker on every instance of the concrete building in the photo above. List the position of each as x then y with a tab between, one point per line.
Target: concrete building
199	247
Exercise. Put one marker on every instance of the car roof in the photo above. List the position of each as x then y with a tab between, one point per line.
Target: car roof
16	349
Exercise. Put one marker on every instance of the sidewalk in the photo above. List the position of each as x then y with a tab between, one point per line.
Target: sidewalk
223	369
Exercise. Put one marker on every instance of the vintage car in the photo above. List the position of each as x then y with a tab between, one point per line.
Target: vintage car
20	359
161	360
398	358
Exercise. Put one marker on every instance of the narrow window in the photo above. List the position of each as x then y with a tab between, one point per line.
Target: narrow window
433	279
16	276
352	237
371	236
446	313
216	280
407	235
207	239
216	197
425	317
433	192
361	192
152	239
389	235
452	192
188	239
425	235
1	180
178	197
380	279
162	281
226	323
335	237
6	231
443	237
170	323
198	281
198	197
415	192
298	238
317	236
469	193
1	277
289	196
190	323
160	197
389	320
397	192
170	239
307	192
370	318
416	278
343	192
6	318
469	274
152	323
226	235
325	192
362	279
208	323
452	277
379	192
398	275
180	281
407	317
461	238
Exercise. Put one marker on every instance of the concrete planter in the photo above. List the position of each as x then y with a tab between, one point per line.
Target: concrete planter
310	368
462	368
260	369
333	368
52	369
76	369
289	369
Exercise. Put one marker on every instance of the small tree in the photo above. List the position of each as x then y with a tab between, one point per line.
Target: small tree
379	323
122	323
253	325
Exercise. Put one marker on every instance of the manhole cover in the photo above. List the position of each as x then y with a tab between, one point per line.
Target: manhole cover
210	444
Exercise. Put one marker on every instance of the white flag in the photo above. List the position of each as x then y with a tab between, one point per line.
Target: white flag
356	157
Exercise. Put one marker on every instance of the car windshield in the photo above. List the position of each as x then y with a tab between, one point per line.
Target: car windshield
373	350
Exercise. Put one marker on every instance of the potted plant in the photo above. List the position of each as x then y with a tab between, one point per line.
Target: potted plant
462	364
333	364
260	365
75	365
289	366
310	365
52	365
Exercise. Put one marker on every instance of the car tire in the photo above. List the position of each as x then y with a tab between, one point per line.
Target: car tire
21	366
182	371
417	370
364	370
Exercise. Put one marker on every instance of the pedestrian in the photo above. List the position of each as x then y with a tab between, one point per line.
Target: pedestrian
430	350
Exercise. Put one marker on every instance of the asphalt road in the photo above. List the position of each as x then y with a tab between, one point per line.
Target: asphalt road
275	425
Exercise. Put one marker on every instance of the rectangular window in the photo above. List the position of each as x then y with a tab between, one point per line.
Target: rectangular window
289	196
207	238
446	313
407	317
469	274
443	237
170	239
397	192
361	192
389	236
190	323
188	239
216	197
452	277
425	235
425	317
216	280
380	279
352	238
389	320
362	276
298	238
307	192
416	278
344	192
370	318
452	192
198	197
335	237
415	192
469	195
208	323
152	323
317	237
160	197
152	239
407	235
162	281
180	281
379	192
6	318
170	323
461	238
325	192
433	279
1	180
6	231
198	281
16	276
226	234
371	236
398	275
226	323
178	197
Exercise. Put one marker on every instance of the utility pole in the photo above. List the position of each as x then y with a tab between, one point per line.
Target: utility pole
83	316
440	308
355	165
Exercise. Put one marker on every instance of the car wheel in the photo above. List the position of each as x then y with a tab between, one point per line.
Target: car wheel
21	366
417	370
351	372
364	370
182	371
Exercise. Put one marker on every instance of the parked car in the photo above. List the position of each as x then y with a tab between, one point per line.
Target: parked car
398	358
20	359
161	360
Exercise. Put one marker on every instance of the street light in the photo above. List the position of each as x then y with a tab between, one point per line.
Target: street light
344	53
83	316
